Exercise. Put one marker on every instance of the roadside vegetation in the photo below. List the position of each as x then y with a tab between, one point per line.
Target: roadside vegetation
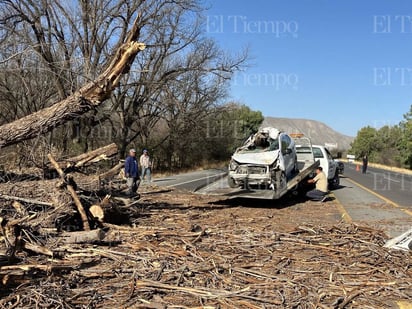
172	102
388	145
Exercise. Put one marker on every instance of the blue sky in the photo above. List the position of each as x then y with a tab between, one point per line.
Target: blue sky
345	63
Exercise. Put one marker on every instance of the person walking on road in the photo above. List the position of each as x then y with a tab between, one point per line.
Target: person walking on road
321	190
131	169
146	165
364	164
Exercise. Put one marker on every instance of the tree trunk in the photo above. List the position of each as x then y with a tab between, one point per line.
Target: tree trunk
86	98
72	191
81	237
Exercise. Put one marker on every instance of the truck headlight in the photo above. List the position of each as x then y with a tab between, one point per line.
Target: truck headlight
233	165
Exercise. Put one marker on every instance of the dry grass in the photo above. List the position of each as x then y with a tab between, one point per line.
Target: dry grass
384	167
202	167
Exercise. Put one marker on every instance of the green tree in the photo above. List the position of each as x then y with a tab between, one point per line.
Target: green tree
249	121
229	126
405	144
387	145
390	145
365	143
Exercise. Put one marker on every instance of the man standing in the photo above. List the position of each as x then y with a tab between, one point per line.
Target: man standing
146	165
321	182
364	164
131	170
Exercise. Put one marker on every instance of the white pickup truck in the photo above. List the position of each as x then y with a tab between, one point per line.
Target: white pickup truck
328	164
272	163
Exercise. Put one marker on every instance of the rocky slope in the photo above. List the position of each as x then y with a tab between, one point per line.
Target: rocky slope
319	132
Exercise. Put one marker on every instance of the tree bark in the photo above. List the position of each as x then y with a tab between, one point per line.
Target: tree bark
73	193
86	98
102	153
81	237
112	172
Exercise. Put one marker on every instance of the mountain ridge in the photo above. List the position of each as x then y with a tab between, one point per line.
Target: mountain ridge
317	131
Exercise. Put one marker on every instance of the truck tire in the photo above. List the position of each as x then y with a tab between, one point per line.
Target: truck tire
231	182
335	181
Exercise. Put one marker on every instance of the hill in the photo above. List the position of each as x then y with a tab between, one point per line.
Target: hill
319	132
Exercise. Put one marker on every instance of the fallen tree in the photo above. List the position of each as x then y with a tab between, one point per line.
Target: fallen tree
85	159
85	99
56	200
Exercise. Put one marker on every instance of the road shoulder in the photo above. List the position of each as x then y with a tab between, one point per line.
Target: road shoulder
362	206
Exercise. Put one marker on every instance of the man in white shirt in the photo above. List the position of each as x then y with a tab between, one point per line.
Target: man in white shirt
321	186
146	165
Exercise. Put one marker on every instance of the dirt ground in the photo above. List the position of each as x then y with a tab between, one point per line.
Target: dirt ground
175	249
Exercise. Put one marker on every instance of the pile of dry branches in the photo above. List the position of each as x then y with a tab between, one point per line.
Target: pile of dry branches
179	250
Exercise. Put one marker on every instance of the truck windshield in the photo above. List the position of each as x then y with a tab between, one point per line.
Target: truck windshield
267	145
317	152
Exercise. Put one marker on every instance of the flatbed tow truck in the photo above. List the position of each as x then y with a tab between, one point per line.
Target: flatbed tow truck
268	187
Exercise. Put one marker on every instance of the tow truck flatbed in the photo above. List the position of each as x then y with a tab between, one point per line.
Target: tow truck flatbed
220	187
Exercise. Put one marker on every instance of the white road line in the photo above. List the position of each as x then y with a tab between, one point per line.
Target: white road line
193	180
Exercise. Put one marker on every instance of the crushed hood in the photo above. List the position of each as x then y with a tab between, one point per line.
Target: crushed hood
258	158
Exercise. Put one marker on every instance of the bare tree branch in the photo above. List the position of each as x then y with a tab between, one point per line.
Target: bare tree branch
88	97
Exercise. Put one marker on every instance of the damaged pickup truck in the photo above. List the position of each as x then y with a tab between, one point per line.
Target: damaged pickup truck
268	166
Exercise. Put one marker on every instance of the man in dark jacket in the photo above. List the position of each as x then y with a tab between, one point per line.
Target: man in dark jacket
131	170
364	164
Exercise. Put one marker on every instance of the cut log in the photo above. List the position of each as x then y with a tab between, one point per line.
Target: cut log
73	193
112	172
85	159
82	236
85	99
94	182
97	210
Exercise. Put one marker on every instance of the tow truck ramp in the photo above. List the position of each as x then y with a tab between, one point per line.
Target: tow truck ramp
221	187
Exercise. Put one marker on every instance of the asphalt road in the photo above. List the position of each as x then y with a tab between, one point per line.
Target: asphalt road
394	186
358	203
191	181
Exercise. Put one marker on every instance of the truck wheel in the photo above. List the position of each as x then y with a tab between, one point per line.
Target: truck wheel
231	182
335	181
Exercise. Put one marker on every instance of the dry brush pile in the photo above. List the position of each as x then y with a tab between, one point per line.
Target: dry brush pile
172	249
